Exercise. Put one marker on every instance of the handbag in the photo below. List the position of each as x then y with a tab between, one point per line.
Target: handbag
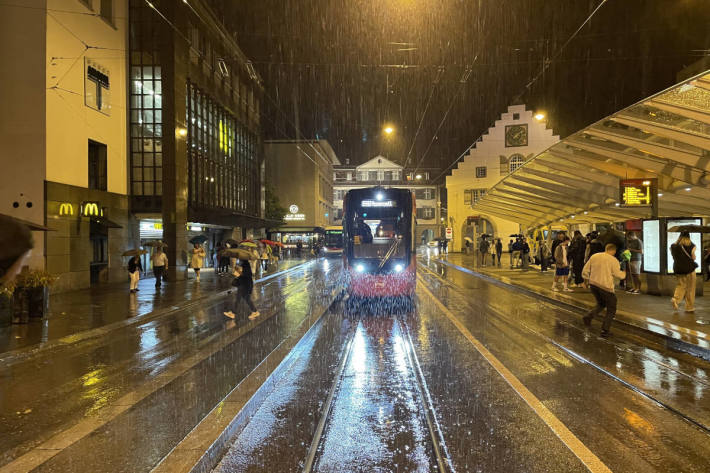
695	264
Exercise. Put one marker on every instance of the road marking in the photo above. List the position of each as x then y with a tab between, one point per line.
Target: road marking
591	461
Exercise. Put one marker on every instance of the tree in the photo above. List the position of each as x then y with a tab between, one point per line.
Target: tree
273	208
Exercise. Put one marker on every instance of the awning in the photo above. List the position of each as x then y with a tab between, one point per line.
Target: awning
35	227
666	136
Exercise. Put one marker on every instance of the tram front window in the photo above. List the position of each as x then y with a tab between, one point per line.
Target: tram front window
378	238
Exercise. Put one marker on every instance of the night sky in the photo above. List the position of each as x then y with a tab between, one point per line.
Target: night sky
344	68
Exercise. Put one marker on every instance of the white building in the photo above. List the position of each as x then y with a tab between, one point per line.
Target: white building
380	171
515	138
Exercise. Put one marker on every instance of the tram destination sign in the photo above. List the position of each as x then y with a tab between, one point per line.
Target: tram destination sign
638	192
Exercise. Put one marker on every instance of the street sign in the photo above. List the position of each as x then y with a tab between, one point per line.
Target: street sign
449	233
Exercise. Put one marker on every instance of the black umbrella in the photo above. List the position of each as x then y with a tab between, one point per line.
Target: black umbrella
615	237
231	242
516	235
199	239
690	228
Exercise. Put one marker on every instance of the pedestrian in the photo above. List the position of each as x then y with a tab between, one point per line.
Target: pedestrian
599	274
561	266
160	265
299	245
525	253
483	251
499	250
635	246
544	255
559	238
595	245
134	271
510	251
577	249
684	265
197	260
264	256
492	251
517	248
244	282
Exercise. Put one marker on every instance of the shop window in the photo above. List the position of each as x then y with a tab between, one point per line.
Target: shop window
97	166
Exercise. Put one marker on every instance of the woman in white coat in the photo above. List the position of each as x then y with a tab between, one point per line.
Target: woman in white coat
197	260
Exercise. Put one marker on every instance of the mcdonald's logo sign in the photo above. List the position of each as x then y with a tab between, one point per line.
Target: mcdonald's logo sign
65	208
90	209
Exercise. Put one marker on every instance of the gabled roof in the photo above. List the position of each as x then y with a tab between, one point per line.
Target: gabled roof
379	162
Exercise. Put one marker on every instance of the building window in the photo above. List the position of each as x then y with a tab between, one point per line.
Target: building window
425	213
98	175
106	11
372	176
515	162
424	194
96	87
516	116
481	172
471	196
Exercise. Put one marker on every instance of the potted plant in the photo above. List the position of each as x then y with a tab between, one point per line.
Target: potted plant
7	303
32	294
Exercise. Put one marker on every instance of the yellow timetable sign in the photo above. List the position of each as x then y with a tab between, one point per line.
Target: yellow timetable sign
637	192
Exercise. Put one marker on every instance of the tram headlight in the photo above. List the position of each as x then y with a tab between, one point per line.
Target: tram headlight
359	268
398	268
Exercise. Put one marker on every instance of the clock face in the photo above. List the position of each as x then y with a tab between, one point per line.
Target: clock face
516	135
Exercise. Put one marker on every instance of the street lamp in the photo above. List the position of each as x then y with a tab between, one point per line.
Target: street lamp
539	116
389	130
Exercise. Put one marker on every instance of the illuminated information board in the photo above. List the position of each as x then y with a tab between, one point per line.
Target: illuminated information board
638	192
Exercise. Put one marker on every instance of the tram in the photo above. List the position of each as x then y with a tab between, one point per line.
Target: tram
378	235
333	241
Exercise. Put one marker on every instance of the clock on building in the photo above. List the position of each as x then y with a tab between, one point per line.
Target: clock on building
516	135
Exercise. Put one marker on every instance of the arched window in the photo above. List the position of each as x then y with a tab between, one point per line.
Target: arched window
515	162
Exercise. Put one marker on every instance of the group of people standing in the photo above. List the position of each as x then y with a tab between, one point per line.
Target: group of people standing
493	248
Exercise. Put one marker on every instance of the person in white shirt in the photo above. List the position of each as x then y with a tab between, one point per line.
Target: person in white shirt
160	265
600	274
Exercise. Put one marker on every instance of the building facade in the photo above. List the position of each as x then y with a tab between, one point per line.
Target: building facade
380	171
64	134
516	137
300	172
196	150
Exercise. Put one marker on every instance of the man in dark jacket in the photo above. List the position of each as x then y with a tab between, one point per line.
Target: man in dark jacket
245	285
576	256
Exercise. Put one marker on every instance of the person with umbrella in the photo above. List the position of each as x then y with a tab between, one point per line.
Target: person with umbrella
135	268
197	260
244	281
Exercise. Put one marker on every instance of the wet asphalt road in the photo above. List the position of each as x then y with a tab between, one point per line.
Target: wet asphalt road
141	389
635	406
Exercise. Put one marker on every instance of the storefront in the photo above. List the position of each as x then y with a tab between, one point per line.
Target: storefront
291	236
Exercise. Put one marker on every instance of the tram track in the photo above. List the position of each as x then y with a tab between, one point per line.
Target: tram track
440	462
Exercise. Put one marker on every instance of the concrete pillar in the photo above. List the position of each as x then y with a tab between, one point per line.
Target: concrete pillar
174	75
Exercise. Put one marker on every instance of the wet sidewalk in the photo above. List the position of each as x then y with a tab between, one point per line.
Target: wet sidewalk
77	314
642	311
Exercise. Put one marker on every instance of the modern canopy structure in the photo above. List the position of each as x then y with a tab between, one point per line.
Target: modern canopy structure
665	136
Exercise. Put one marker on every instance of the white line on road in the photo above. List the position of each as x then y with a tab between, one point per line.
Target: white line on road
591	461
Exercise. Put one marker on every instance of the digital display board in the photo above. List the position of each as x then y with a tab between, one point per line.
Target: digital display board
696	238
378	203
637	192
651	246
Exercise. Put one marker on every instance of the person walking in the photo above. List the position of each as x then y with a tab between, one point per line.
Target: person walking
244	281
599	273
134	271
160	265
510	251
544	255
561	266
577	249
483	250
197	260
525	253
499	250
684	265
517	248
264	256
635	246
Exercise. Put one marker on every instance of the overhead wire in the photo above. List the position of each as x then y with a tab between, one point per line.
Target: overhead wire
529	84
421	121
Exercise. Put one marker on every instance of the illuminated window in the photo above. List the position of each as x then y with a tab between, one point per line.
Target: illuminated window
515	162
